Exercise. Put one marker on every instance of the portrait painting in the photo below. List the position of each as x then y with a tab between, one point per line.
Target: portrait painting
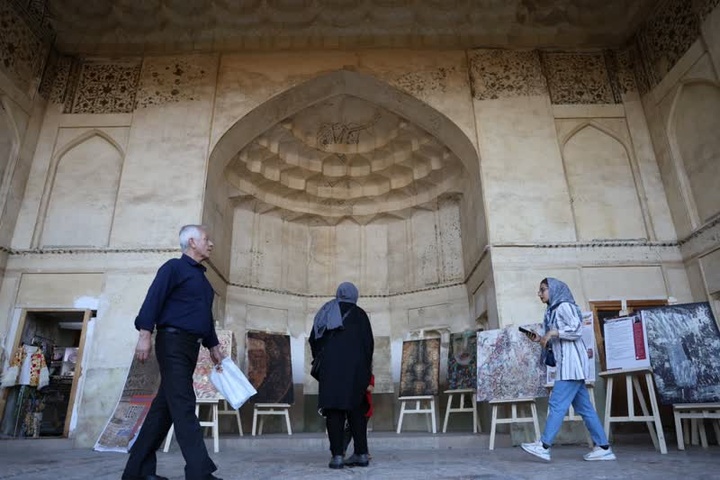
462	360
270	367
420	367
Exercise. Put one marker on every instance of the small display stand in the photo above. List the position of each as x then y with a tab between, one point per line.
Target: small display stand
471	408
418	409
226	409
212	423
263	409
632	383
513	418
696	413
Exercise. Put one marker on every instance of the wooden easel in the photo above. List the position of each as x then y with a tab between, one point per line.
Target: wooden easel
263	409
212	423
514	417
471	408
631	377
418	401
696	413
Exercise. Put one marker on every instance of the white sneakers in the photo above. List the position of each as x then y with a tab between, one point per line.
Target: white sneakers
597	453
537	449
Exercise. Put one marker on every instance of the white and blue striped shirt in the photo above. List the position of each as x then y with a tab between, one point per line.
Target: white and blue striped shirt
569	349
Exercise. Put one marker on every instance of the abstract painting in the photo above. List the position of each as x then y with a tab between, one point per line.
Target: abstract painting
204	388
270	367
462	360
509	365
420	367
684	345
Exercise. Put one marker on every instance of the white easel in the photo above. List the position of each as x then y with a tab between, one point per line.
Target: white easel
212	423
418	408
264	409
696	413
471	408
514	417
631	382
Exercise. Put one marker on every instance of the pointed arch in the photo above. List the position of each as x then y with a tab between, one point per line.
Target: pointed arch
9	149
218	209
605	197
81	191
343	82
696	174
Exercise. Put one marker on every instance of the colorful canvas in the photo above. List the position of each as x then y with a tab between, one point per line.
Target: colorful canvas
141	386
269	367
684	345
509	365
204	388
420	367
462	360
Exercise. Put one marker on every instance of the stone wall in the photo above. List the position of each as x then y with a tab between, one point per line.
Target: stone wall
592	166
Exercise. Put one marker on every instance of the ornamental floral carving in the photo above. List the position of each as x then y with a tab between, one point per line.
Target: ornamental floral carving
504	73
106	88
170	80
578	78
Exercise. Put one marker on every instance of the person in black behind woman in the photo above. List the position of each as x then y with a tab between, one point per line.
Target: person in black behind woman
179	304
343	337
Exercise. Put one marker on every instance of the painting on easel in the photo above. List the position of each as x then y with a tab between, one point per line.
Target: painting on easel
420	367
509	365
462	360
270	367
684	345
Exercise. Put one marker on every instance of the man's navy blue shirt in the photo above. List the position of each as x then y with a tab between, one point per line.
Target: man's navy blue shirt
180	297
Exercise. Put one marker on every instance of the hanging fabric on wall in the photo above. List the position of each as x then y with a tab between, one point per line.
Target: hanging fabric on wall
27	367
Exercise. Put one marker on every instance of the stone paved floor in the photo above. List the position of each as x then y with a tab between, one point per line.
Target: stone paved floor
45	460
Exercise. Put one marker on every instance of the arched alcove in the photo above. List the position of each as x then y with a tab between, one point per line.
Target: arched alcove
83	193
602	188
694	130
344	177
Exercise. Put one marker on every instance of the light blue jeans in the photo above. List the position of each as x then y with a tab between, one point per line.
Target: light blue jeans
565	393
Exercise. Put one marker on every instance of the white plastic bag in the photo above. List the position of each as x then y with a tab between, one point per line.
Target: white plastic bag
232	383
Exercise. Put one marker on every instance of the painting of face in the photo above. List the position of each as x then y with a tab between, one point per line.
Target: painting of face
462	360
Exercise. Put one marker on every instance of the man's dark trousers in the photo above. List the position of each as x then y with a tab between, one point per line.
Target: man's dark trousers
177	355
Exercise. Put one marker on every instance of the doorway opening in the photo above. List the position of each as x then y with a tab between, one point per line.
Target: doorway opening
39	403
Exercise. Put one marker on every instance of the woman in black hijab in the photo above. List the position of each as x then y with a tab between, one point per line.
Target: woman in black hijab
342	342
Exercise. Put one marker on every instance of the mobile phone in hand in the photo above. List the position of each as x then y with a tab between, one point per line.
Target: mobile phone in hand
528	332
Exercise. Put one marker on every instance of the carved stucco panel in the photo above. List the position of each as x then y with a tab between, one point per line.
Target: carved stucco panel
577	78
106	88
503	74
172	79
22	54
667	35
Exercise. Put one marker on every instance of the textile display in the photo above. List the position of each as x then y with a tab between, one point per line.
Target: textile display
204	389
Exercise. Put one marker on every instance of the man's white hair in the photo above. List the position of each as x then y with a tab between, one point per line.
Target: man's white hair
190	231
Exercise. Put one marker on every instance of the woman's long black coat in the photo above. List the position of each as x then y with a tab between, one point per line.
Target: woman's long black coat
347	360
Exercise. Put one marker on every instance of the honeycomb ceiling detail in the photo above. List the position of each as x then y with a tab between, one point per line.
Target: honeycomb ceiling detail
344	158
172	26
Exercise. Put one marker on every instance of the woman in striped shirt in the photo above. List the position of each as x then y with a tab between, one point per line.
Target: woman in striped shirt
563	328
